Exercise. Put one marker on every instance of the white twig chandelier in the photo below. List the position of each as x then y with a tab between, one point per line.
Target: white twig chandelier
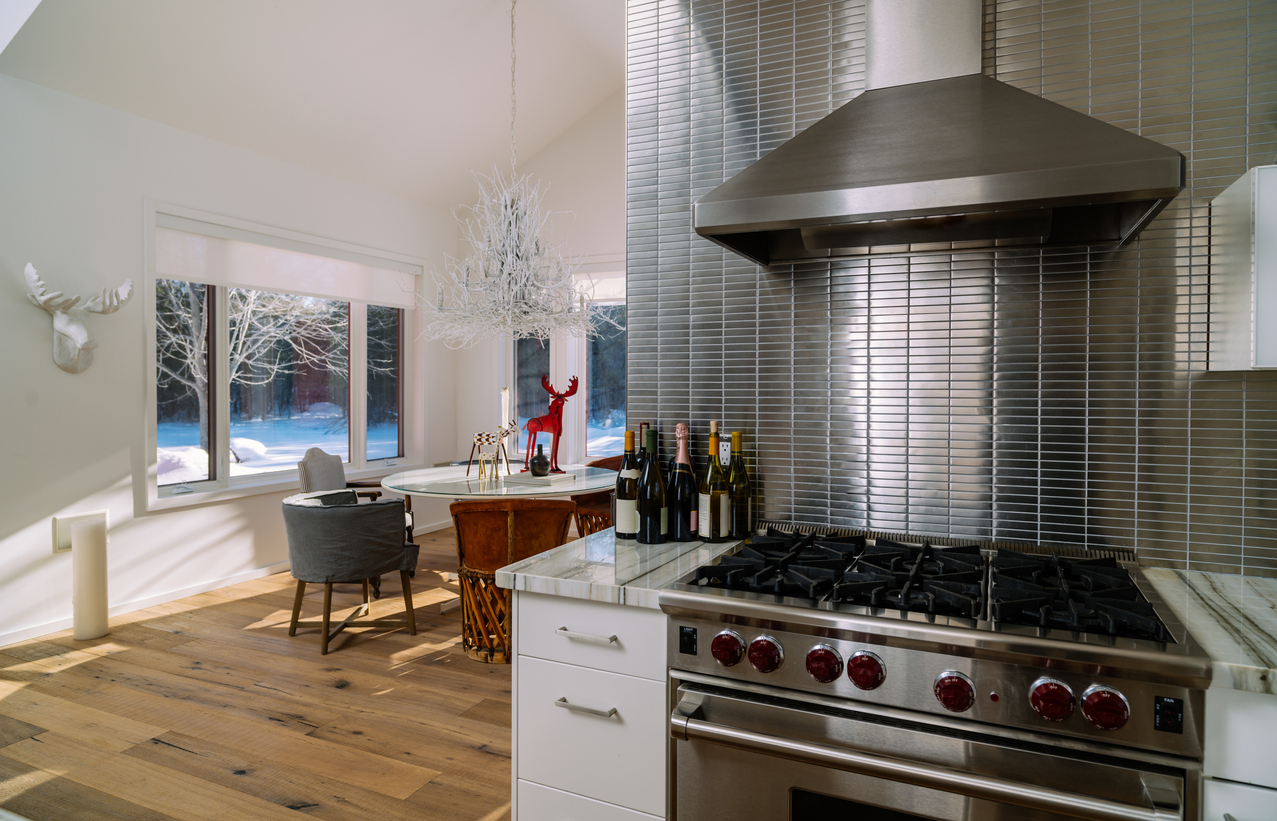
514	281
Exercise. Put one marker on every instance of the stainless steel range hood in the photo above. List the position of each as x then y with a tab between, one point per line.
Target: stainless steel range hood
962	162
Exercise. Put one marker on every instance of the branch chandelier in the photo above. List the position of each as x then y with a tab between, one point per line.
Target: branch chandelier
514	281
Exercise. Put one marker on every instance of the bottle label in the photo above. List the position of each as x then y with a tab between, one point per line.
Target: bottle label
693	517
725	516
626	516
630	474
703	510
665	521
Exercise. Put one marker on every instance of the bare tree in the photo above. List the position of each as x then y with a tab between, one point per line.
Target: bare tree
270	335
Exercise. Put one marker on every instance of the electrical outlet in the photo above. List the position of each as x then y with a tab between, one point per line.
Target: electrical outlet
62	527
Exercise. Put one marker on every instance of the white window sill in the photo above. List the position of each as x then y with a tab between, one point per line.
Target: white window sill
260	485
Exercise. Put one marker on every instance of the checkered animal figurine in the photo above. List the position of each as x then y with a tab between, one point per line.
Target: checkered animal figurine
496	441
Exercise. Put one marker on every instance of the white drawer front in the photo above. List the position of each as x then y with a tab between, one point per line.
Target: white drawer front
618	759
537	803
1241	801
1240	728
639	648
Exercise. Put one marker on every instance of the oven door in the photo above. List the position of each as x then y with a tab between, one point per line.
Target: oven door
750	755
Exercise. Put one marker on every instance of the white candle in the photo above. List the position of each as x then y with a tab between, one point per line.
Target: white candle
88	579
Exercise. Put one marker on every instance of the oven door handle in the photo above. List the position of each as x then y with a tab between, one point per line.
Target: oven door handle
685	728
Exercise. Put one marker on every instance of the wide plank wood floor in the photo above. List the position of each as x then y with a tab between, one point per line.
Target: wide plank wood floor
205	709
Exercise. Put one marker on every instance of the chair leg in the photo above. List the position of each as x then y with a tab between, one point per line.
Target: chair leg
328	608
376	587
407	602
297	607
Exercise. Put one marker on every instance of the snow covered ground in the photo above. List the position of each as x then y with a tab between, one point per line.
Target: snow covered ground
263	446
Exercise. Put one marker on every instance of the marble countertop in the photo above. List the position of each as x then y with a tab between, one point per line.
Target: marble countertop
1233	618
602	568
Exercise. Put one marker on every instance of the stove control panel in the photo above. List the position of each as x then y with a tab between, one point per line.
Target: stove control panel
1090	705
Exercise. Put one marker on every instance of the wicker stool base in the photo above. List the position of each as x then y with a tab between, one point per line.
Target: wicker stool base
485	617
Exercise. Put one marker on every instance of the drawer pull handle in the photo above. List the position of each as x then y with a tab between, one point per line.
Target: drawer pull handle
577	708
563	631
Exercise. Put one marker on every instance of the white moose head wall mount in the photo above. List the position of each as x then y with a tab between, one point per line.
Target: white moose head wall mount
73	346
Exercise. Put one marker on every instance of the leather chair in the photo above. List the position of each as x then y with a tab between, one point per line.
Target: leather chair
491	535
594	510
332	538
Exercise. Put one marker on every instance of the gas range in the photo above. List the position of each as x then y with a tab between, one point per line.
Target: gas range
1057	642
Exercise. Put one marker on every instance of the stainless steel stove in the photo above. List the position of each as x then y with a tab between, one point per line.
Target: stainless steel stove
819	673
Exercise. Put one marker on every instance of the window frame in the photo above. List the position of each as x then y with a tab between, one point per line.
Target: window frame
224	486
568	356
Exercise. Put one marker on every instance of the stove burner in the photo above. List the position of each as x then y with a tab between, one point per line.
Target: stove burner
1046	591
1086	595
921	578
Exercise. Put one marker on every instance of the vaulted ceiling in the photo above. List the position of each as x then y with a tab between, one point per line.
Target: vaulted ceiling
402	96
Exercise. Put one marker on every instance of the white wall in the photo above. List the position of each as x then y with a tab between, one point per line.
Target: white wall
584	169
73	177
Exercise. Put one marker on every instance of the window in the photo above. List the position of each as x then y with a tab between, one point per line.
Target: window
594	418
264	347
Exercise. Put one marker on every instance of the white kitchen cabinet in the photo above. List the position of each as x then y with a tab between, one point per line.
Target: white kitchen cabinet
1243	281
590	717
1240	802
1240	730
536	801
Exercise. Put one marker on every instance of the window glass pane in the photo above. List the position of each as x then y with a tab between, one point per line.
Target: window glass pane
605	386
288	379
385	436
531	362
182	381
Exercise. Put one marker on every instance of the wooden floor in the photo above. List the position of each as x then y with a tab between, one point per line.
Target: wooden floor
204	708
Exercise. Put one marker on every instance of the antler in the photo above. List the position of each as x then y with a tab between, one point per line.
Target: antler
545	383
51	302
571	388
110	301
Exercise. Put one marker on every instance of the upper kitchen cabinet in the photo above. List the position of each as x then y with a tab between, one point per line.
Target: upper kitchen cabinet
1243	283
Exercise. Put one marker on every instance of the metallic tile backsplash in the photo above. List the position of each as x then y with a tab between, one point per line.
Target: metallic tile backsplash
1057	397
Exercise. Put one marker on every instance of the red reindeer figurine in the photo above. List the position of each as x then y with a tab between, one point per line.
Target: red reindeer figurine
551	423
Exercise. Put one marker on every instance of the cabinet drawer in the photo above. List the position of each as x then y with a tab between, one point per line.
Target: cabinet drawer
1240	728
537	803
619	758
639	648
1242	801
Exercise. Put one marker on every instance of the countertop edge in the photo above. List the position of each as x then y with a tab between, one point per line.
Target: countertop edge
1233	618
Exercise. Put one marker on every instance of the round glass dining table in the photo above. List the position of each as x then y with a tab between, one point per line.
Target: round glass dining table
452	483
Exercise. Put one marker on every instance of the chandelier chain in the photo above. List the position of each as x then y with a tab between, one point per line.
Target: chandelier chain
513	53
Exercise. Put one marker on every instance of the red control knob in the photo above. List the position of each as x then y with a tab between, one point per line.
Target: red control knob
866	670
1051	699
727	648
765	654
1105	707
954	691
824	663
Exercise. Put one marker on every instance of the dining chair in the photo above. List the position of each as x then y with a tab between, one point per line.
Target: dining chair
594	510
319	470
491	535
332	538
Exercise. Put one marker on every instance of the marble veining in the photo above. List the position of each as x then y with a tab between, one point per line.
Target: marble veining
1233	618
602	568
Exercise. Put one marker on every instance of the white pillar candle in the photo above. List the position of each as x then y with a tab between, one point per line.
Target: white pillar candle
88	579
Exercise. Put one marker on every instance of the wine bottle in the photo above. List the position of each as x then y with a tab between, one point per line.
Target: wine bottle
640	446
681	494
625	507
714	516
741	491
651	496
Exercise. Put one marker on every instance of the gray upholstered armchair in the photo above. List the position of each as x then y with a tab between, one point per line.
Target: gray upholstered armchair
334	539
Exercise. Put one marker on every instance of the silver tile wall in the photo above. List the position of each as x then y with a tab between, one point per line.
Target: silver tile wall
1057	397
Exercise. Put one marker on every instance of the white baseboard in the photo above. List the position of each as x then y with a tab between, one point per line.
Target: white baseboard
421	530
141	604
